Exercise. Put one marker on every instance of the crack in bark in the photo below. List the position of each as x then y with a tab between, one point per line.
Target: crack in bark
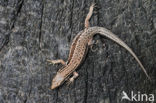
86	87
70	20
5	41
40	33
57	96
19	7
11	24
71	17
25	101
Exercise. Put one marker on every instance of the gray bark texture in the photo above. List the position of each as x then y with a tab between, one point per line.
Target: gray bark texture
32	31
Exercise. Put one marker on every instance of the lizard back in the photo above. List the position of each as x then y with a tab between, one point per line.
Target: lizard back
78	55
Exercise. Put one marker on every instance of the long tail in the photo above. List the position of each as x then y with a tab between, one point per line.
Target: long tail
110	35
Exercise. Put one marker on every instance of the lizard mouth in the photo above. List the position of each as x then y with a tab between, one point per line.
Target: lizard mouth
53	87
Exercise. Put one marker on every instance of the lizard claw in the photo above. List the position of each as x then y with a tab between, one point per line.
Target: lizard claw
93	50
94	5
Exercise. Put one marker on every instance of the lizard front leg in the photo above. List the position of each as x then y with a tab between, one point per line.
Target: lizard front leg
57	61
71	80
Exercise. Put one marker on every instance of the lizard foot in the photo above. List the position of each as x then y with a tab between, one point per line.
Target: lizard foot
92	44
71	80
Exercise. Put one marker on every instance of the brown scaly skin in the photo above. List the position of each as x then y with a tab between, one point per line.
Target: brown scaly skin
79	49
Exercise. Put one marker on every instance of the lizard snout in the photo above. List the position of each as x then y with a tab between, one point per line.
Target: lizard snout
57	81
54	85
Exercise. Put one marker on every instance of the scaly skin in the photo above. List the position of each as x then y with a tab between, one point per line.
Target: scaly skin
79	49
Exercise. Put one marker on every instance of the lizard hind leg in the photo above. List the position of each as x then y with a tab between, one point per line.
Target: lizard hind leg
90	13
57	61
91	43
71	80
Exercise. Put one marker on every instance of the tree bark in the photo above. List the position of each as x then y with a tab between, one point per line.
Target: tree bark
32	31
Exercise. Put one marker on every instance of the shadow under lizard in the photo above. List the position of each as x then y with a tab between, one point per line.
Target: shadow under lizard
79	50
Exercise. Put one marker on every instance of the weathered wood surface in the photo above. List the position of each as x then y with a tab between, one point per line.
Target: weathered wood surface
32	31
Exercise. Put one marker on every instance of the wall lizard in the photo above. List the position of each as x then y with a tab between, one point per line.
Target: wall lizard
78	51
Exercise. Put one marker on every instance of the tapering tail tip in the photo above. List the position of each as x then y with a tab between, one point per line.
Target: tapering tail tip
149	78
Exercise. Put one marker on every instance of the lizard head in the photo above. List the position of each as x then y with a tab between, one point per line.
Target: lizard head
57	81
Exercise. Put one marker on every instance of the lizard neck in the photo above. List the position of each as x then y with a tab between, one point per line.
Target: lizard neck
68	69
